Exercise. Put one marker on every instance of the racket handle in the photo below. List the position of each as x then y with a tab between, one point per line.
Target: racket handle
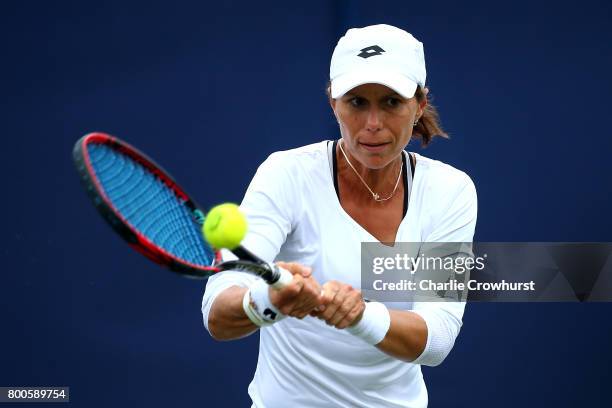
284	278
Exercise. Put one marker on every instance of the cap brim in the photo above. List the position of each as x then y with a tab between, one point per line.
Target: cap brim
398	82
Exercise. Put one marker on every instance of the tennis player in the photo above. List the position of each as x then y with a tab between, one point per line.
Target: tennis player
321	345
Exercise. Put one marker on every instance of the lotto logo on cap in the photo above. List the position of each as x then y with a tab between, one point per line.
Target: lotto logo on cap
380	54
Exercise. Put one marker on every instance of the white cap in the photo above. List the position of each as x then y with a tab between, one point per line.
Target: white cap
380	54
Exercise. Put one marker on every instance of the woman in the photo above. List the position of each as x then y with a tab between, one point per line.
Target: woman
321	344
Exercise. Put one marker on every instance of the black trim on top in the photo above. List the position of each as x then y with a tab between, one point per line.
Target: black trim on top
404	176
405	181
335	167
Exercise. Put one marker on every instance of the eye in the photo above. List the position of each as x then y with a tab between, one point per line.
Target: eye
393	102
357	102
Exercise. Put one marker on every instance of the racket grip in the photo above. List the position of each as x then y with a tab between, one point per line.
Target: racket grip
284	278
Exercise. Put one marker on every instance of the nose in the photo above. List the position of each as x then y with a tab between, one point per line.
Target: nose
374	123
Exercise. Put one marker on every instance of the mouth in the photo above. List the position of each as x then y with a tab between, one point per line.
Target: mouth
374	147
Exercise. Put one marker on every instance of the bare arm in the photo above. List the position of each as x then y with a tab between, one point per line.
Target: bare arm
407	336
344	307
227	320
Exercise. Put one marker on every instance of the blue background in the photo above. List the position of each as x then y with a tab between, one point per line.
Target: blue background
210	89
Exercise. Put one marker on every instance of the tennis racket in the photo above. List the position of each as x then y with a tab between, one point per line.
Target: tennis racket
149	210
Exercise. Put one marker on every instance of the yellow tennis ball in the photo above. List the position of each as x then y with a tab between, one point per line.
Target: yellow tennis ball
225	226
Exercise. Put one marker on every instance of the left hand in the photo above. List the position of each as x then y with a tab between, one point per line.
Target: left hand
342	306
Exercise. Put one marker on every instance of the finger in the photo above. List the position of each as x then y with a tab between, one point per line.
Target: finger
306	271
347	298
294	288
299	315
306	300
327	295
296	268
289	295
329	291
332	308
352	315
309	298
344	309
290	266
313	292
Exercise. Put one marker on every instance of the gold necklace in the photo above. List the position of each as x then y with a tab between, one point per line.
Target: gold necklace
375	196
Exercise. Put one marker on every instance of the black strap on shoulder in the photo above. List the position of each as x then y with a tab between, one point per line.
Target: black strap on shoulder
404	177
335	167
405	181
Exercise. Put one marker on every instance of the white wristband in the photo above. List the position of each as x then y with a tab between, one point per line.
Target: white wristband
374	324
258	307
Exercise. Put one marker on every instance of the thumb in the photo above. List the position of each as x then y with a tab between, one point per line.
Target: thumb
296	268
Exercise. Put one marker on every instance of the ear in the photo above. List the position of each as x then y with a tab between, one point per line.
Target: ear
422	106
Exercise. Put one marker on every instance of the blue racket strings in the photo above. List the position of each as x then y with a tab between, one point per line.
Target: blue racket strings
149	205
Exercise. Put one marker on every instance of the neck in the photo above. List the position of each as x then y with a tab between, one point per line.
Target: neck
381	181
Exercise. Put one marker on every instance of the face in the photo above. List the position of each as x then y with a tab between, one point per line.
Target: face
376	123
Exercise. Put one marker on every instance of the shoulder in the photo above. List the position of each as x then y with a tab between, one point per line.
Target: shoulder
289	170
441	176
447	197
444	189
300	160
303	155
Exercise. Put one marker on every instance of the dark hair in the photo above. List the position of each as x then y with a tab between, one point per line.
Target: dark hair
428	125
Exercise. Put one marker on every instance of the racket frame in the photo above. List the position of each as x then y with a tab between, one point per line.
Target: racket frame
247	261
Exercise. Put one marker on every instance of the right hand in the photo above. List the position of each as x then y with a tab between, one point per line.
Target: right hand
301	296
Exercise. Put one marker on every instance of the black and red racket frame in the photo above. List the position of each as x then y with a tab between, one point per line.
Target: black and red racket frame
134	238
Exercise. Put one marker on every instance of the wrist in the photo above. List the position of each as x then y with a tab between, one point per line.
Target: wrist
258	307
373	325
